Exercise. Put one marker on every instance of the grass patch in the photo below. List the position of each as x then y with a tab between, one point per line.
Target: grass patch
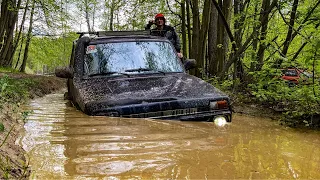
6	70
1	127
14	91
4	161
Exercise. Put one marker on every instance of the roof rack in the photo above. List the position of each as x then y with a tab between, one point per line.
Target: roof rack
151	32
115	33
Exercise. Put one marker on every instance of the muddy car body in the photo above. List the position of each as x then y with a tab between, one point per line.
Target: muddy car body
140	76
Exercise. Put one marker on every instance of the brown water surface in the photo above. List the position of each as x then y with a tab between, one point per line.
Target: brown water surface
63	143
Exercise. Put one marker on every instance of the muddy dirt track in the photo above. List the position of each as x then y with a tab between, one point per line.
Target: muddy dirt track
63	143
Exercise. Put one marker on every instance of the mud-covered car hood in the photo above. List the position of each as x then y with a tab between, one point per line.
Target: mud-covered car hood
154	88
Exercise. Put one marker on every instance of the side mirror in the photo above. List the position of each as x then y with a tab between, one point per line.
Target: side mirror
64	72
85	39
190	64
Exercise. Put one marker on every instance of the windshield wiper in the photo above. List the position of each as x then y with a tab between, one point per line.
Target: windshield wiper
143	69
107	73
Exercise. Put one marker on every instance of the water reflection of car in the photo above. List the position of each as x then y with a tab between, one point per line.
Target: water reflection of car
295	76
134	74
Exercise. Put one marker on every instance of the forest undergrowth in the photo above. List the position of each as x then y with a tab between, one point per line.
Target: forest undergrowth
295	105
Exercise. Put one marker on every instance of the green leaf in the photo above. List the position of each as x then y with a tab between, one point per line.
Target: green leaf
1	127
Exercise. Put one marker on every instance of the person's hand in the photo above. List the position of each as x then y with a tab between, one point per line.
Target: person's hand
151	22
180	55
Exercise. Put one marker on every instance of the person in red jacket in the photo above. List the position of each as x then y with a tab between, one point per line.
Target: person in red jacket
164	30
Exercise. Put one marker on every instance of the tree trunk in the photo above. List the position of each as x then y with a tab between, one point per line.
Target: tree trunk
28	40
19	55
239	50
183	28
264	20
299	51
305	19
212	41
195	28
195	34
238	33
8	19
93	15
87	9
220	41
296	32
290	28
111	15
189	28
4	18
226	8
254	42
203	35
17	38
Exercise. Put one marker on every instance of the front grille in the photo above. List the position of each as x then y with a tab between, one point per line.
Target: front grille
168	113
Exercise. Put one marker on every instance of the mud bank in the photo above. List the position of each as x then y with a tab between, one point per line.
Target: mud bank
13	162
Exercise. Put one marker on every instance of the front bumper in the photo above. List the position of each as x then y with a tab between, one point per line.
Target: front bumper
204	116
207	116
175	110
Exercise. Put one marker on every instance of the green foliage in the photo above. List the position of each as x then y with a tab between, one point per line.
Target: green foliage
303	104
6	137
25	114
5	167
6	69
13	91
46	53
298	103
1	127
226	85
267	87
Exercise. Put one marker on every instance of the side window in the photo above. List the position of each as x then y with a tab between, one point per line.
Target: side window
291	72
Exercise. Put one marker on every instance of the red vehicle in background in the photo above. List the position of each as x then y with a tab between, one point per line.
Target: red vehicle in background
295	76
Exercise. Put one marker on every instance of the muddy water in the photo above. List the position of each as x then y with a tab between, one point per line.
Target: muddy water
63	143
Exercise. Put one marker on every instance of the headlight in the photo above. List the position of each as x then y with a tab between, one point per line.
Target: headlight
223	104
220	121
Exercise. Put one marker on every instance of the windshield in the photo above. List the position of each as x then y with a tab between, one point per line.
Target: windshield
131	58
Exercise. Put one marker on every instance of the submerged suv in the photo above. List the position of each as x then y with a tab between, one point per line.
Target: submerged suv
134	74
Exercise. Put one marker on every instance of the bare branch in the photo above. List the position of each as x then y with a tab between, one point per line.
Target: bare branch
241	49
298	52
295	30
172	12
305	20
178	2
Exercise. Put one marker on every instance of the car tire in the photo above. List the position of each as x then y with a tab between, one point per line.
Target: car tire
66	96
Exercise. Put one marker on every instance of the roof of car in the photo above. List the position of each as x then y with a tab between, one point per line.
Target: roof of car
119	34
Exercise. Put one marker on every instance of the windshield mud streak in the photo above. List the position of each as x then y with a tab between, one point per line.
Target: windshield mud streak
63	143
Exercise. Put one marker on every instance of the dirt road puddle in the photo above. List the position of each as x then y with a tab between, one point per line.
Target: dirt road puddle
63	143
